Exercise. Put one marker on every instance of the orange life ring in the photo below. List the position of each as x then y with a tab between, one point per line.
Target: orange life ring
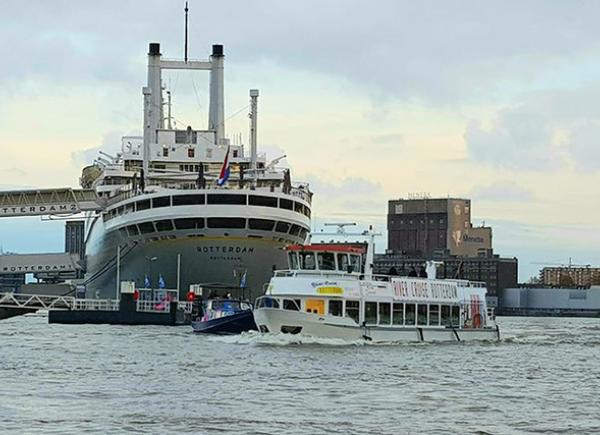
477	320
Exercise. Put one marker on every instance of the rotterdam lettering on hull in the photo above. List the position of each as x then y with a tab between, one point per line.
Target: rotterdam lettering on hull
225	249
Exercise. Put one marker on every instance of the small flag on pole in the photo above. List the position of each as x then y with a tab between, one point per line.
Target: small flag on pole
224	175
243	282
146	282
161	282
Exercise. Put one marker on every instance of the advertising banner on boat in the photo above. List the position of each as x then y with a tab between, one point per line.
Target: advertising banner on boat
419	289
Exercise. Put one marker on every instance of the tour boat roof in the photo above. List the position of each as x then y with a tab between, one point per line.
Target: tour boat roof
327	247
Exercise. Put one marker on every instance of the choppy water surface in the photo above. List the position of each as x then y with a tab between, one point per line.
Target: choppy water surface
543	377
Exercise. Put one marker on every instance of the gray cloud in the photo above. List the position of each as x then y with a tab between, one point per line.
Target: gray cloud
111	144
548	130
503	191
430	50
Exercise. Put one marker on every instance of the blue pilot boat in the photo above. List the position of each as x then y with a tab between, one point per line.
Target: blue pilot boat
223	316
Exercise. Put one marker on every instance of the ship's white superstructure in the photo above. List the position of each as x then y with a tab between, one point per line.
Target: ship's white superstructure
167	217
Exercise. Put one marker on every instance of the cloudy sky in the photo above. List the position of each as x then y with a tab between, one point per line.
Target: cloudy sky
370	100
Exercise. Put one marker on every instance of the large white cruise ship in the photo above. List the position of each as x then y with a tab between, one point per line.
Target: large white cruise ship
169	216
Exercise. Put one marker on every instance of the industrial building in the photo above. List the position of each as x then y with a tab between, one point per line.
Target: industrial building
424	228
530	301
569	276
435	227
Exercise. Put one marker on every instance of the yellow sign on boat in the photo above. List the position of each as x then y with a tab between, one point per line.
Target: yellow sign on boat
330	290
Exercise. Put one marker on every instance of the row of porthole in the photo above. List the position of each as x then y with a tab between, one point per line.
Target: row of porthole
216	223
210	199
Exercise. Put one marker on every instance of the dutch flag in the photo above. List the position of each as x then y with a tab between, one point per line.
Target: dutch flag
224	175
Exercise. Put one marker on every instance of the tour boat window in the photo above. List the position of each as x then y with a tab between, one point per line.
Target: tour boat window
422	314
293	305
398	314
282	227
286	203
142	205
261	224
295	230
133	230
352	310
455	319
355	263
146	227
434	315
163	201
326	260
315	306
445	315
262	201
409	314
226	199
164	225
307	260
299	207
371	313
129	207
189	223
342	262
226	222
267	302
188	199
384	313
335	308
293	260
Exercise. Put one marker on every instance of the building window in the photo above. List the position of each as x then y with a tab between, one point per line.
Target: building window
165	151
191	153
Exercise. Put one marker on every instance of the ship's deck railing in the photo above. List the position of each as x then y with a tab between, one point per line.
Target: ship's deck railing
153	306
300	191
184	306
96	304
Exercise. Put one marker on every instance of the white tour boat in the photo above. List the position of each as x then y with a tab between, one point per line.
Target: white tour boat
327	292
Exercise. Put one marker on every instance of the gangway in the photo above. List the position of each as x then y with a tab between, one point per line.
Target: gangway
36	302
60	201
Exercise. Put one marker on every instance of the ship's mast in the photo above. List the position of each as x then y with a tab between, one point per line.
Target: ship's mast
253	133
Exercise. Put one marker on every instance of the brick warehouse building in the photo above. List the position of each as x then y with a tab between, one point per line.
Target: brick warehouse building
421	229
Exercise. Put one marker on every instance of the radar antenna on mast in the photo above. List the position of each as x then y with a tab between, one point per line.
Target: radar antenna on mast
185	54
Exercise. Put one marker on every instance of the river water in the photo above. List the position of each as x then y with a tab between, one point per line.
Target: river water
543	377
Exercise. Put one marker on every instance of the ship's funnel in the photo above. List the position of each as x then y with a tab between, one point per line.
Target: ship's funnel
216	117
